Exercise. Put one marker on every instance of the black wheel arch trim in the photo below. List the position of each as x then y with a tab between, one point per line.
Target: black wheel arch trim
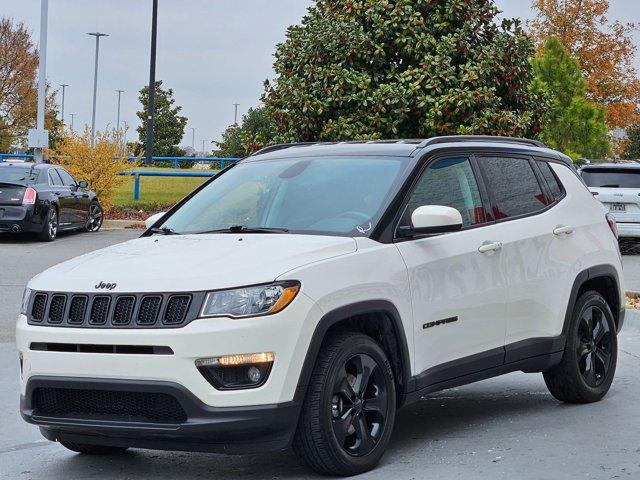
340	314
591	273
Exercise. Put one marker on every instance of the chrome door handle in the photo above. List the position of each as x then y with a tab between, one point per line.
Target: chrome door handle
490	247
562	230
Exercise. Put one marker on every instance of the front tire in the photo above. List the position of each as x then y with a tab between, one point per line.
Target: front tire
96	217
87	449
50	229
589	361
349	410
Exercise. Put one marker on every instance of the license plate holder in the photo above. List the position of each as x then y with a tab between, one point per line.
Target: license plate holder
618	207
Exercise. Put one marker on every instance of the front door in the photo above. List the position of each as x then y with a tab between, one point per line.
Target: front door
457	279
66	199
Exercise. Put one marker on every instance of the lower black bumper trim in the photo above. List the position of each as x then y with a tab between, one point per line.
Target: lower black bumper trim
231	430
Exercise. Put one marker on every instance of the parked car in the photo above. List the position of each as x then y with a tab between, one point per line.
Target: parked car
303	295
617	186
45	199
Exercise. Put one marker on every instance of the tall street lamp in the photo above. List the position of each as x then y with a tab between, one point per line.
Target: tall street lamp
95	84
72	115
235	116
193	139
152	84
39	138
64	86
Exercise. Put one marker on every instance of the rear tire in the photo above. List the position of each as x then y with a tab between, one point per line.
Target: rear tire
87	449
589	361
50	230
349	410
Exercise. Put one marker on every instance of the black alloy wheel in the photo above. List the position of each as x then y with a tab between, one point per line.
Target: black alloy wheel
50	228
349	408
588	363
594	346
96	217
359	405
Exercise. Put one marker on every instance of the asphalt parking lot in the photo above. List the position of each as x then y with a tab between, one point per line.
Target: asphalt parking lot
504	428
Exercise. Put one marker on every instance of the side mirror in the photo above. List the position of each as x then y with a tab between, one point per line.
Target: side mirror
432	219
150	222
83	184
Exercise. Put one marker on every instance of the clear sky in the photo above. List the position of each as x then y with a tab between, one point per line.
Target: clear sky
212	53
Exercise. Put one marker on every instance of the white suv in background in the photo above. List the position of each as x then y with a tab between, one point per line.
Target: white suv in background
303	295
617	186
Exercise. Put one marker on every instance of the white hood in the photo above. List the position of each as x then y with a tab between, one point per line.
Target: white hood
191	262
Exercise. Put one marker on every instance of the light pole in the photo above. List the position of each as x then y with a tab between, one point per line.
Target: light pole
119	92
64	86
193	139
151	107
235	116
72	115
39	138
203	152
95	84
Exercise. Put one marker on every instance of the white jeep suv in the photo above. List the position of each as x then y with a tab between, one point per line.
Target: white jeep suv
303	295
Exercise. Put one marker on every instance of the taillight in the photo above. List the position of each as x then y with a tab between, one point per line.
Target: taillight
612	224
29	196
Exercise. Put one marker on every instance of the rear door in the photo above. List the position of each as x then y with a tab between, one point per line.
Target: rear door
80	198
617	188
66	200
538	253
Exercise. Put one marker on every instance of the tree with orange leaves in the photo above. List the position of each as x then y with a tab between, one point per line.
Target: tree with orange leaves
604	49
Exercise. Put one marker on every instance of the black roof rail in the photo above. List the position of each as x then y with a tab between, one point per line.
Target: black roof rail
480	138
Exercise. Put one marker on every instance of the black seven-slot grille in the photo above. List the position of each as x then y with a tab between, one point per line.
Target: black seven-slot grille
149	310
107	405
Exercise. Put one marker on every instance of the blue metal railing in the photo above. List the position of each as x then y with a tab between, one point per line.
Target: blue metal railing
24	156
143	173
175	161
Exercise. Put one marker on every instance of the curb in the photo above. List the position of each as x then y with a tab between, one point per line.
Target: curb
123	225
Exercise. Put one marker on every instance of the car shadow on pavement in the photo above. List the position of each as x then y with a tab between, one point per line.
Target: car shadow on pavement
420	431
31	238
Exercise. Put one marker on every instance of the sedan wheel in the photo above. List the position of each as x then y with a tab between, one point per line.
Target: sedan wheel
50	229
96	218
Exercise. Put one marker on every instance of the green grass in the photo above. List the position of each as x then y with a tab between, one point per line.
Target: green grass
156	191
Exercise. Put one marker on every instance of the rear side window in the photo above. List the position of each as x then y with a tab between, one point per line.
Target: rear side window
552	182
513	187
449	182
611	177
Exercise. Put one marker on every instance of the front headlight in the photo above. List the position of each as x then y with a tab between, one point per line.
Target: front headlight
26	296
250	301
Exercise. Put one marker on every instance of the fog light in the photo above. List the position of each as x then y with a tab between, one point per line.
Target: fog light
236	372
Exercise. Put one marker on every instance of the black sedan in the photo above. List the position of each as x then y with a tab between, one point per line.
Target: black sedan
45	199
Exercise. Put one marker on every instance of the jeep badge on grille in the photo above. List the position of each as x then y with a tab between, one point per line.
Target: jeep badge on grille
106	286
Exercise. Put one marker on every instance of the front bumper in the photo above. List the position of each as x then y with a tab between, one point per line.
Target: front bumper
207	429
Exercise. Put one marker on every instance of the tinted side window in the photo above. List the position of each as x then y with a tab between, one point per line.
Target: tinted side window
66	178
54	178
513	186
550	178
449	182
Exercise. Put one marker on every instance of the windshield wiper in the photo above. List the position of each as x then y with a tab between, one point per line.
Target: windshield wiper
163	231
245	229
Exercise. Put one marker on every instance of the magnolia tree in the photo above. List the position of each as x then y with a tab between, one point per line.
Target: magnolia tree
366	69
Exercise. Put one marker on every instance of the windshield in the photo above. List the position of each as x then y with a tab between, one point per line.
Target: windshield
329	195
21	175
612	177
